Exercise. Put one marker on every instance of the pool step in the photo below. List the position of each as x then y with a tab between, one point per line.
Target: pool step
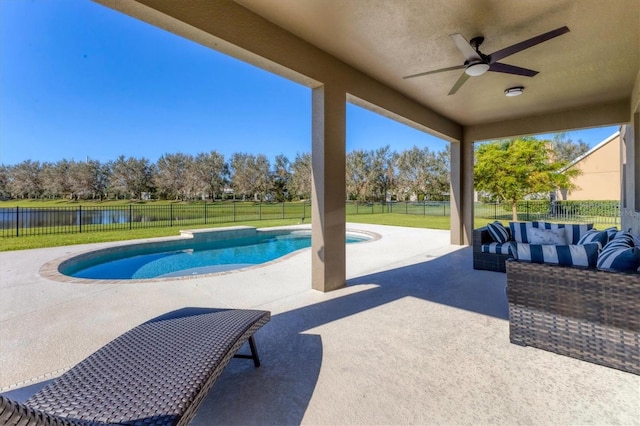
214	234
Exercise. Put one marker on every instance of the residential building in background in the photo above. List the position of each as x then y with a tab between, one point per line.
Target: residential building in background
600	177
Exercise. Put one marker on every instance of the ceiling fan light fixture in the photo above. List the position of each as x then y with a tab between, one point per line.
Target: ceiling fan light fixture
514	91
476	69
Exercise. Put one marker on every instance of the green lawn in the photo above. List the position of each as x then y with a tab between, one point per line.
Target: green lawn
55	240
397	219
245	213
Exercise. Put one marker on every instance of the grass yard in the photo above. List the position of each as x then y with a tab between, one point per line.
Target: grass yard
55	240
188	216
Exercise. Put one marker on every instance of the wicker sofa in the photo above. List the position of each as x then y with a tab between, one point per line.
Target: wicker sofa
491	255
586	314
486	261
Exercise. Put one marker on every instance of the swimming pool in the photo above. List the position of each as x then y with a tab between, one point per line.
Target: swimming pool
204	252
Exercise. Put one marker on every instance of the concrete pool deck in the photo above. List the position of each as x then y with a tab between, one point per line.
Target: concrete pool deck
417	337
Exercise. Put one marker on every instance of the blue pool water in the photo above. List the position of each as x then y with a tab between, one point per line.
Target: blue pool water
189	258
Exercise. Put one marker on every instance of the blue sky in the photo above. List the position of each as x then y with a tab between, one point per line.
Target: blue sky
80	80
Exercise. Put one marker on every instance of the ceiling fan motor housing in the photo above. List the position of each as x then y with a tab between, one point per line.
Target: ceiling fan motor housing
476	42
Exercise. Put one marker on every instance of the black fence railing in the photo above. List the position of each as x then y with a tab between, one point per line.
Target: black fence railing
23	221
422	208
603	212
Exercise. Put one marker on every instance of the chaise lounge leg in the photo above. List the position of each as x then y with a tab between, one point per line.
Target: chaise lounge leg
254	353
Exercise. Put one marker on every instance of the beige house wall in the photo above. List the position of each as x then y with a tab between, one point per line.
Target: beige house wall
600	173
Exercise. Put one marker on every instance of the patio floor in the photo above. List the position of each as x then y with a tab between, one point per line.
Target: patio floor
417	337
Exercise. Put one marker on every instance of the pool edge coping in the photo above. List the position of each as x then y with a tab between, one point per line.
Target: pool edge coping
50	270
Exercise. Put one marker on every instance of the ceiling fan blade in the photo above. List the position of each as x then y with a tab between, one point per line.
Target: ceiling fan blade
467	50
508	51
463	78
511	69
457	67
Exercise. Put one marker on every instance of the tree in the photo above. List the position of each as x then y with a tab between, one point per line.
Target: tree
250	174
130	176
359	165
208	174
172	177
300	182
282	177
57	180
4	182
440	175
26	179
566	150
383	172
262	180
423	172
513	169
88	179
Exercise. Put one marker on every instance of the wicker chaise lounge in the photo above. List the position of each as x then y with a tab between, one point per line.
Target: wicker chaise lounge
158	373
587	314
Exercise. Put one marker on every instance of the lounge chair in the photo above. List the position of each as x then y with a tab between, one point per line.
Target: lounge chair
158	373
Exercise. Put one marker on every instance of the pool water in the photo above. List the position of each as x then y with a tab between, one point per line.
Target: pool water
191	258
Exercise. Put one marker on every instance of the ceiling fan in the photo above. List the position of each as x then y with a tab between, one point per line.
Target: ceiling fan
476	63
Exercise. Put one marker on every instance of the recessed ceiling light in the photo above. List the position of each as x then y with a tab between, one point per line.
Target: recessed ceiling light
514	91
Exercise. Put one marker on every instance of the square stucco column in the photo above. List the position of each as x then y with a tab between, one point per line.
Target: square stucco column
328	263
630	175
462	191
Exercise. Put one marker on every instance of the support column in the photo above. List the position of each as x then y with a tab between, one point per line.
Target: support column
462	192
630	175
328	154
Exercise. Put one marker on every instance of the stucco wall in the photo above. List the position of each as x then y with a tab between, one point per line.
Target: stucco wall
600	174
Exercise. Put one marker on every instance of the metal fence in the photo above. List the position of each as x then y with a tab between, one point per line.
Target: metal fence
426	208
607	212
23	221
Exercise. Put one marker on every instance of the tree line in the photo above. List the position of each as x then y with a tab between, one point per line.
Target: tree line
505	171
372	175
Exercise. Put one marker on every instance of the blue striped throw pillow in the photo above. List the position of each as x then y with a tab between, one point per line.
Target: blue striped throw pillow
619	259
575	231
611	232
619	243
498	232
594	236
625	236
496	248
584	256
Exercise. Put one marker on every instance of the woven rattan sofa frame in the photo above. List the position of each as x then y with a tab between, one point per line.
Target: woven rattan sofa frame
180	386
586	314
486	261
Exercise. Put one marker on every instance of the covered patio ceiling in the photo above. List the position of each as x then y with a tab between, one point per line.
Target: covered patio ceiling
588	77
595	63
